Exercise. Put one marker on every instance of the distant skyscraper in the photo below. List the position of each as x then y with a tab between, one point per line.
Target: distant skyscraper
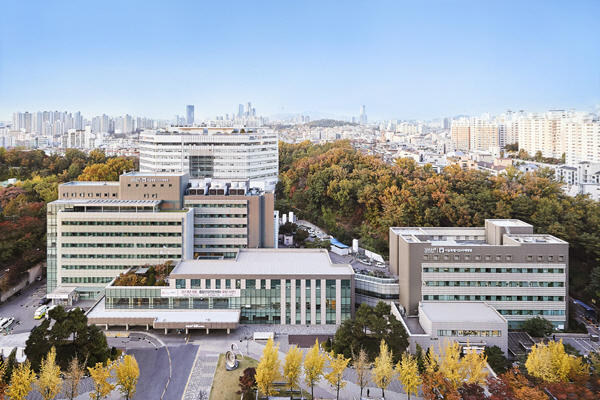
248	109
241	111
363	115
190	114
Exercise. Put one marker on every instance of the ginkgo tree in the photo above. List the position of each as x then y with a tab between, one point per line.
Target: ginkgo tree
49	381
336	376
268	369
361	366
21	382
383	371
552	364
314	363
292	369
408	374
101	376
127	373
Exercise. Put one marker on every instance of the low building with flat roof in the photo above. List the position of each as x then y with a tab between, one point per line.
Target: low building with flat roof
263	286
519	273
474	325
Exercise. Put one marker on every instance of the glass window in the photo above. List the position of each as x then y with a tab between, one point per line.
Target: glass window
180	283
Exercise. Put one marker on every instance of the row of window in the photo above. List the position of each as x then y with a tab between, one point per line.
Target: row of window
220	246
489	257
220	236
122	223
123	234
89	195
467	297
211	226
207	205
467	333
220	215
532	312
497	270
493	283
121	256
146	185
121	245
103	266
87	279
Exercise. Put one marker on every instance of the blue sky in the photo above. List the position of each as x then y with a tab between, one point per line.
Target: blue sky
402	59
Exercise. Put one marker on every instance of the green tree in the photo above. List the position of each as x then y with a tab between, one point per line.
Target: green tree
314	363
21	382
49	381
496	359
268	369
292	369
335	377
383	370
127	373
538	327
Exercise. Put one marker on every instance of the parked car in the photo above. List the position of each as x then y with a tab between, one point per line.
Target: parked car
44	301
365	262
380	264
19	292
6	323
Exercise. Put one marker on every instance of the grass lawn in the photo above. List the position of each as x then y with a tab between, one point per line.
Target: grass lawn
226	383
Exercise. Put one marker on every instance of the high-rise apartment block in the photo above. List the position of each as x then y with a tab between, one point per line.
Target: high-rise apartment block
363	115
506	265
213	152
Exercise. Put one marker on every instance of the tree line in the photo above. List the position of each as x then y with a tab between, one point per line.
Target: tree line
23	204
356	196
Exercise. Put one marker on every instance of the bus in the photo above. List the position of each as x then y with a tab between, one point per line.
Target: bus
40	312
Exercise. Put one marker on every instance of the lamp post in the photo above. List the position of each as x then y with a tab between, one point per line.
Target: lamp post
125	341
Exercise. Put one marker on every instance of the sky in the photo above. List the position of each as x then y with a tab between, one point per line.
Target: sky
401	59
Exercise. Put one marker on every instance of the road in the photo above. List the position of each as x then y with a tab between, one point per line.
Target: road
23	307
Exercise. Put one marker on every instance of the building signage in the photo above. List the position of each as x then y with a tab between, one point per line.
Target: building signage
134	180
429	250
200	293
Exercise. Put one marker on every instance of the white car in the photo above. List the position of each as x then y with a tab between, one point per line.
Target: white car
380	264
365	262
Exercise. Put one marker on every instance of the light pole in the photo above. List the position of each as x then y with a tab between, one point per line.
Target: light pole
125	341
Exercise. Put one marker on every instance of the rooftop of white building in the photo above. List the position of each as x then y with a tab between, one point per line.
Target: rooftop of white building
272	262
456	311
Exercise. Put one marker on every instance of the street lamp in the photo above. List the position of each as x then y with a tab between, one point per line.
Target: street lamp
125	341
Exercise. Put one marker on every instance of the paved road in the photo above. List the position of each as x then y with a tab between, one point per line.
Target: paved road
23	307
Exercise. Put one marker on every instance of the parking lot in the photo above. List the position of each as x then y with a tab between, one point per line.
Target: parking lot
22	307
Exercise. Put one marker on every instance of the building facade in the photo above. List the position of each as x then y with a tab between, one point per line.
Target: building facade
212	152
519	273
280	287
96	230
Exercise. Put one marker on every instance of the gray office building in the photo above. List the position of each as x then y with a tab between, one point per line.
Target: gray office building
189	112
504	264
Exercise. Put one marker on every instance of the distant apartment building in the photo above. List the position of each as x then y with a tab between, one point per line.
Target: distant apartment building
212	152
478	133
97	230
506	265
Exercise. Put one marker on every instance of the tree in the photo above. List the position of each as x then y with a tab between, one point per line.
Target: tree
538	327
49	382
408	370
248	384
101	376
314	363
336	377
552	364
292	368
450	365
471	391
474	367
109	171
127	373
268	368
73	377
361	366
383	371
496	359
21	382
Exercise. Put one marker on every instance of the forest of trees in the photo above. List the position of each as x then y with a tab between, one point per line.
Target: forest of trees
23	205
356	196
328	123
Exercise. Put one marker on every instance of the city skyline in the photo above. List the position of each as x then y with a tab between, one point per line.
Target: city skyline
401	59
